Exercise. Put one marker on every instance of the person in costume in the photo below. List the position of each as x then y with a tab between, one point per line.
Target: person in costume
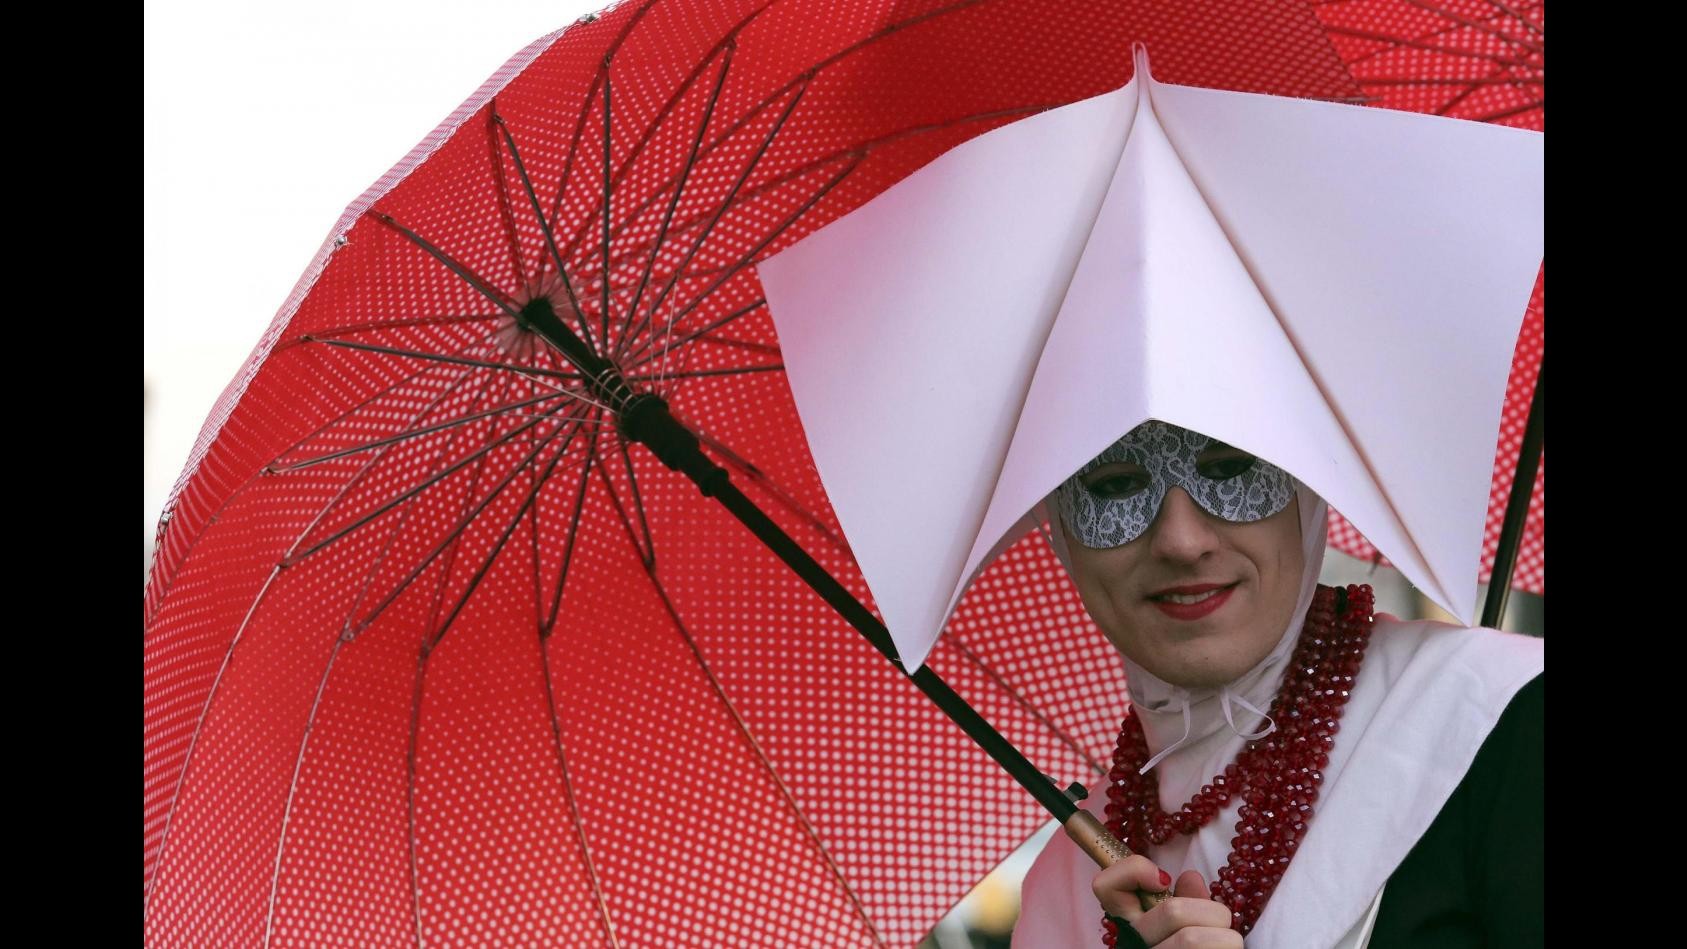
1294	772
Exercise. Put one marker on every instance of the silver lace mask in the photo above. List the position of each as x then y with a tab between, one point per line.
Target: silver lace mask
1117	509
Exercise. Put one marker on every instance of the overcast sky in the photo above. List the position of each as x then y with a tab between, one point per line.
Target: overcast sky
262	122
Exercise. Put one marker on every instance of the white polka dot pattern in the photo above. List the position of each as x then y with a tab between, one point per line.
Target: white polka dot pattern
431	658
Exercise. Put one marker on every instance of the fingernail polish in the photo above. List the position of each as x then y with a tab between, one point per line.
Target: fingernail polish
1165	878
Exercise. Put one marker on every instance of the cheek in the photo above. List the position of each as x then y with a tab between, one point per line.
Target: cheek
1291	563
1099	576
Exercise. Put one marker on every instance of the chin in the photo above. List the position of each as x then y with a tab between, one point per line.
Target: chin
1197	676
1200	662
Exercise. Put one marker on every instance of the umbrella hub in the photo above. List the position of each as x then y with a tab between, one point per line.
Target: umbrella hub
543	304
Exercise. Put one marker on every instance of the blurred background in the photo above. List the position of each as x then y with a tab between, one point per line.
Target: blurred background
262	123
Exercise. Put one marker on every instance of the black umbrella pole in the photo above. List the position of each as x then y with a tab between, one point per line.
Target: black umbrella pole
644	418
1517	506
647	420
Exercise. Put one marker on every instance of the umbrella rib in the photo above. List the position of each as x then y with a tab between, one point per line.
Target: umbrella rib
414	433
762	481
545	226
193	742
859	148
1517	15
646	556
750	257
568	547
1508	113
807	76
761	757
627	331
749	169
463	524
692	373
369	465
1031	709
670	387
451	360
1476	25
1441	31
228	656
451	545
642	354
750	345
410	788
498	548
506	213
1471	89
668	330
1481	81
468	276
638	504
726	42
292	791
411	836
383	325
586	104
568	792
1413	43
568	163
412	492
484	341
404	518
862	147
533	536
608	193
168	582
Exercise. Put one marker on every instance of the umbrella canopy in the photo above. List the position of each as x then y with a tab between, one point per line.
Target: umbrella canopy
431	655
1486	62
1332	287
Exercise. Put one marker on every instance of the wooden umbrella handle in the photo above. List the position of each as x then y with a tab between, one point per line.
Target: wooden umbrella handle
1093	837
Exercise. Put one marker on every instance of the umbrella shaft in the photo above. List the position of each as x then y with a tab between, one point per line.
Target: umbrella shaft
647	420
644	418
1517	506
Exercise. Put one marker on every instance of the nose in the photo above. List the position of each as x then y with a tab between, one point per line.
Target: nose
1182	532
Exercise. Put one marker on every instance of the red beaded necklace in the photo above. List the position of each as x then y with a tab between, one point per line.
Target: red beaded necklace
1277	776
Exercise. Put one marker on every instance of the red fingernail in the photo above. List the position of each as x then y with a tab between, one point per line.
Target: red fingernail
1165	878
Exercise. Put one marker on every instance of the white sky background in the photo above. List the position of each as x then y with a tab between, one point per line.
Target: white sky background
262	122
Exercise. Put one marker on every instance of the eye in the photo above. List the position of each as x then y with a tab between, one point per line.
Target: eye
1115	482
1224	466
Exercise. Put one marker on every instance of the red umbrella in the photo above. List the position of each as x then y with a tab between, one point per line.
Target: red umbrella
429	650
1482	60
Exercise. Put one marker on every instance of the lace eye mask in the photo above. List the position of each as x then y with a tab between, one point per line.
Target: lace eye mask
1116	507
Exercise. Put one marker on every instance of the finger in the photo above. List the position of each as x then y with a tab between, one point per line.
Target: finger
1202	937
1116	886
1178	914
1190	884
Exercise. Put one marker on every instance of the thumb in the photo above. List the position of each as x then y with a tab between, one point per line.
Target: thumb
1189	883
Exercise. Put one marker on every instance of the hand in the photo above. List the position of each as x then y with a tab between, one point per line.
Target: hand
1190	919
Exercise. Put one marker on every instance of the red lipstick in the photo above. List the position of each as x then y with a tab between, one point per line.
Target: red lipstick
1198	609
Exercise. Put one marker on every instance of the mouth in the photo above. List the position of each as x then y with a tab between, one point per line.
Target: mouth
1191	593
1192	601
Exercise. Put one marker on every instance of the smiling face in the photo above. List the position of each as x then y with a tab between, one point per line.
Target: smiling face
1193	597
